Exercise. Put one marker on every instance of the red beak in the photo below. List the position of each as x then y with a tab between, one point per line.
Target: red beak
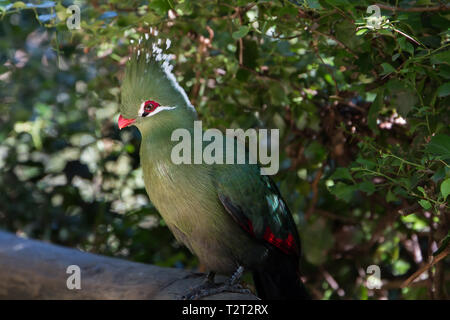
124	122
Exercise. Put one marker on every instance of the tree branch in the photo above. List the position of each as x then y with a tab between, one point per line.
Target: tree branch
441	7
31	269
432	262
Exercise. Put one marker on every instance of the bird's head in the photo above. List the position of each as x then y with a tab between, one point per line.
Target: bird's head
151	95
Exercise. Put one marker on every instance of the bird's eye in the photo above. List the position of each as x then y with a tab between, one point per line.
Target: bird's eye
149	107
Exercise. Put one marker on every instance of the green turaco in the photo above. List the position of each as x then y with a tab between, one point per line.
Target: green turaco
229	215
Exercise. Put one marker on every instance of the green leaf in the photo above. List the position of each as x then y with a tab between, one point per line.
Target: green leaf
367	187
422	190
405	45
404	101
400	267
184	8
441	57
374	110
445	188
277	94
395	56
243	74
444	71
387	68
415	222
439	146
366	163
242	32
361	32
313	4
160	6
425	204
343	191
341	173
438	175
444	90
390	197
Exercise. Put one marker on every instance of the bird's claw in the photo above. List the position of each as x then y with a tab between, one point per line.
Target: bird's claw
209	288
201	292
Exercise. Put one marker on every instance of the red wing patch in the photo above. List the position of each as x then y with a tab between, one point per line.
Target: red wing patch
287	245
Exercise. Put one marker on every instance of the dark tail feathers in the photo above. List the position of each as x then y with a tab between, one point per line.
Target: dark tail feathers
280	280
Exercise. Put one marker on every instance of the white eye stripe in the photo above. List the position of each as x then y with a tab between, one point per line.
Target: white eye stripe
158	109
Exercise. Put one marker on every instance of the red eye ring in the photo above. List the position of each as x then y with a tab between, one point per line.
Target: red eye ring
150	106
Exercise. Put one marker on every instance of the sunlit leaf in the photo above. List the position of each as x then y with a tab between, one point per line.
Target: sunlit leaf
243	30
445	188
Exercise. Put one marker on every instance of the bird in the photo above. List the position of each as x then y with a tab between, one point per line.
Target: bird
233	218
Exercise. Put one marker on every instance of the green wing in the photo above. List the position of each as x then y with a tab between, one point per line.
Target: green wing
255	203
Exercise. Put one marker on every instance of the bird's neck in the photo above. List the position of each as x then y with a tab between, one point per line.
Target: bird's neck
157	144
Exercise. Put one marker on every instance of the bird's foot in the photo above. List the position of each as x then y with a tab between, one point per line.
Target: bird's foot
209	288
208	283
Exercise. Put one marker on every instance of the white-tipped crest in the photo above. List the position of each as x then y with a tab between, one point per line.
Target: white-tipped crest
157	53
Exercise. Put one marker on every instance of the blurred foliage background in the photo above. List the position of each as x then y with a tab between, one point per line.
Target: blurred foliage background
362	104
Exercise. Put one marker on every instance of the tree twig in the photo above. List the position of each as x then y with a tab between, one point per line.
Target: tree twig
314	187
432	262
441	7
